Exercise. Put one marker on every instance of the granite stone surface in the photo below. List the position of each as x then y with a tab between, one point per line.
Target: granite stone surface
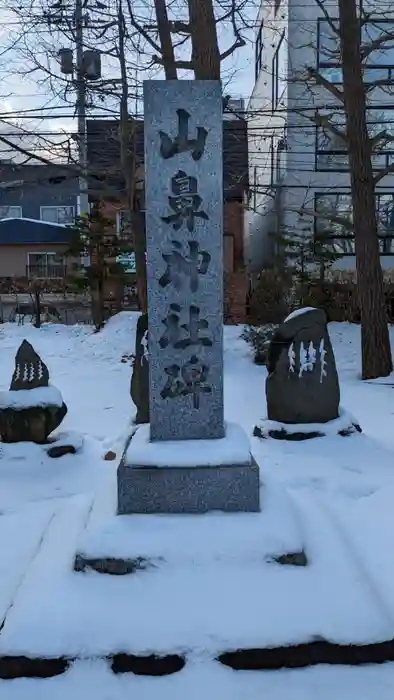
302	385
139	387
229	488
184	233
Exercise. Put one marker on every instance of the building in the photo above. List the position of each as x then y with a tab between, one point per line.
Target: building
33	249
299	169
36	204
104	161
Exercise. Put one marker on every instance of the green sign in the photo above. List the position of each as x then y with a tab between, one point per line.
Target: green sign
127	260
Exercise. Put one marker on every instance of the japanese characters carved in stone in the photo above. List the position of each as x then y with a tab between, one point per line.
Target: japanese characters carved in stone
184	218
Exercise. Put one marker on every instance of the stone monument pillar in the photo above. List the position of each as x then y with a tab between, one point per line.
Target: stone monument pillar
184	215
184	233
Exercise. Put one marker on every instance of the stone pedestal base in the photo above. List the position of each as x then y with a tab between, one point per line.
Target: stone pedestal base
228	488
194	476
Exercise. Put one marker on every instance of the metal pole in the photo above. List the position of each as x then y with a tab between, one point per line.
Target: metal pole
81	110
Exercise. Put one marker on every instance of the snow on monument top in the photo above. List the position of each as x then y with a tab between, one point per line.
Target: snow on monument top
299	312
30	371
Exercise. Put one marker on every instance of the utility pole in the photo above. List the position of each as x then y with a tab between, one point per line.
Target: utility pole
81	109
77	72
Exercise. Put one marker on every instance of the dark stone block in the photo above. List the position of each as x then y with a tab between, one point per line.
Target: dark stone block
309	654
302	386
229	488
60	450
32	424
291	559
139	388
294	437
354	428
151	665
110	565
12	667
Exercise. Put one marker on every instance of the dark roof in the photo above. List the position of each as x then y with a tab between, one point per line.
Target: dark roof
32	232
103	150
51	173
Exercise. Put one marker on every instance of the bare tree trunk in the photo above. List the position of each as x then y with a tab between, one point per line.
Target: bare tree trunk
205	45
96	292
375	342
128	165
167	49
140	257
37	308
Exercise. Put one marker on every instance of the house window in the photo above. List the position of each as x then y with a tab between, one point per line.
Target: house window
45	266
258	51
378	64
331	149
57	215
278	72
7	212
337	235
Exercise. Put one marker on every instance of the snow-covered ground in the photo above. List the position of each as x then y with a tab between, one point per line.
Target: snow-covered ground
214	586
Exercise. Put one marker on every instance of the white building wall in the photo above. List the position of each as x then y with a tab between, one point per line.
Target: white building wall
265	128
302	180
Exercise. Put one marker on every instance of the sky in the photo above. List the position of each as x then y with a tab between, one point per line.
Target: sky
23	90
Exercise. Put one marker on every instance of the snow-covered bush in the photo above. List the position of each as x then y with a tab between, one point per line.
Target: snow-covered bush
259	337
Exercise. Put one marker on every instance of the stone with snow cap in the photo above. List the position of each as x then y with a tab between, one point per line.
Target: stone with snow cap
302	384
32	409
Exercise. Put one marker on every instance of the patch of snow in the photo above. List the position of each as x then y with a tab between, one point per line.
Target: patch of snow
28	474
204	538
370	538
344	421
299	312
35	221
29	398
194	600
20	538
208	679
234	448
